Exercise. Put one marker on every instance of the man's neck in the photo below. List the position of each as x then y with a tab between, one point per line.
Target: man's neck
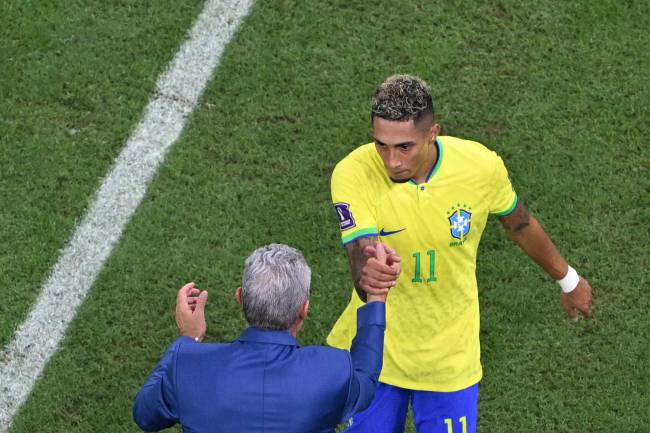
293	330
431	160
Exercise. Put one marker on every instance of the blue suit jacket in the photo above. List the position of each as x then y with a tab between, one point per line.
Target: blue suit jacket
263	382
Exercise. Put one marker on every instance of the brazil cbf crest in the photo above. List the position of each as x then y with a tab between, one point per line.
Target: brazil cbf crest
460	223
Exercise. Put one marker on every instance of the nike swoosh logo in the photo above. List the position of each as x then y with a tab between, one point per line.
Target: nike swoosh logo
385	233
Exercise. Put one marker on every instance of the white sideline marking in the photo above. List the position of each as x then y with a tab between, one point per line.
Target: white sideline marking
177	92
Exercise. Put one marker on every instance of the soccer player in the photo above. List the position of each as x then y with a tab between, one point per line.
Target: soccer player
428	197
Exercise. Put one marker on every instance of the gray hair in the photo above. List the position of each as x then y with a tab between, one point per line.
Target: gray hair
402	97
274	286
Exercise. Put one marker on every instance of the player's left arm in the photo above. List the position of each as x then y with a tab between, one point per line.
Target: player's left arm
528	233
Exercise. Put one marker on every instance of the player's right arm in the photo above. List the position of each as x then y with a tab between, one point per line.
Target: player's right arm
354	203
373	276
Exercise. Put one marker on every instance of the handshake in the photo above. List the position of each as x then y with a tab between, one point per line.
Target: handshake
378	274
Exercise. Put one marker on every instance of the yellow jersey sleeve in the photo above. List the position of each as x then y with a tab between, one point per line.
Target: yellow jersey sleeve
503	197
352	202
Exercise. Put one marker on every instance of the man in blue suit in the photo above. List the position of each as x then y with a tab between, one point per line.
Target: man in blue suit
264	381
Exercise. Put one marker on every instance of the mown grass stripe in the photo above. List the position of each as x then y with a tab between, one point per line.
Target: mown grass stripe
177	92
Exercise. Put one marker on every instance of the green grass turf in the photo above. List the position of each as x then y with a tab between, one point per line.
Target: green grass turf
75	78
560	91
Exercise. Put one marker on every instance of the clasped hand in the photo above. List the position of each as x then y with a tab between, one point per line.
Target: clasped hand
380	272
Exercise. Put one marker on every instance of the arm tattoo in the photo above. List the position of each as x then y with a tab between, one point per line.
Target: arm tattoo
516	221
358	259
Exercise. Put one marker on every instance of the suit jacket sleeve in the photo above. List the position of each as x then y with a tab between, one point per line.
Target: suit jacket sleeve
366	354
156	406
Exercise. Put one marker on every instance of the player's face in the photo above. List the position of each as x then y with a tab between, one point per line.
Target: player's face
406	149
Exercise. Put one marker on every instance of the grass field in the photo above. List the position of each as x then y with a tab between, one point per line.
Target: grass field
560	90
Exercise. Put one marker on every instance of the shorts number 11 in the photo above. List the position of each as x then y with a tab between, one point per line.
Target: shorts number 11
450	424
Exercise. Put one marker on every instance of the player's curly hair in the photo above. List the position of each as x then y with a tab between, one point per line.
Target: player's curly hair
402	97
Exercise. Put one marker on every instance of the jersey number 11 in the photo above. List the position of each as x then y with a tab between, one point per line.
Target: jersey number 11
417	275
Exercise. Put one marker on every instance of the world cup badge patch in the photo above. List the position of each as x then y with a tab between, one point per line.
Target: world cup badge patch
460	223
346	221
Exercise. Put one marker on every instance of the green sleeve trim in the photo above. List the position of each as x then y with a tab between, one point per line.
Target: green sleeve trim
362	233
510	209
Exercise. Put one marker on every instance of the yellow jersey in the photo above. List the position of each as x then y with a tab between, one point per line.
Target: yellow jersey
432	314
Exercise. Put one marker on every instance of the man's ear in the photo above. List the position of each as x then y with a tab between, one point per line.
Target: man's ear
304	310
434	131
238	297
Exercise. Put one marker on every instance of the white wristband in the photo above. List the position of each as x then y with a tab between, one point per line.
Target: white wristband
570	281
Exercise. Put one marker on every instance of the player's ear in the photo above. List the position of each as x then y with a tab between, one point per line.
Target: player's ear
238	297
434	131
